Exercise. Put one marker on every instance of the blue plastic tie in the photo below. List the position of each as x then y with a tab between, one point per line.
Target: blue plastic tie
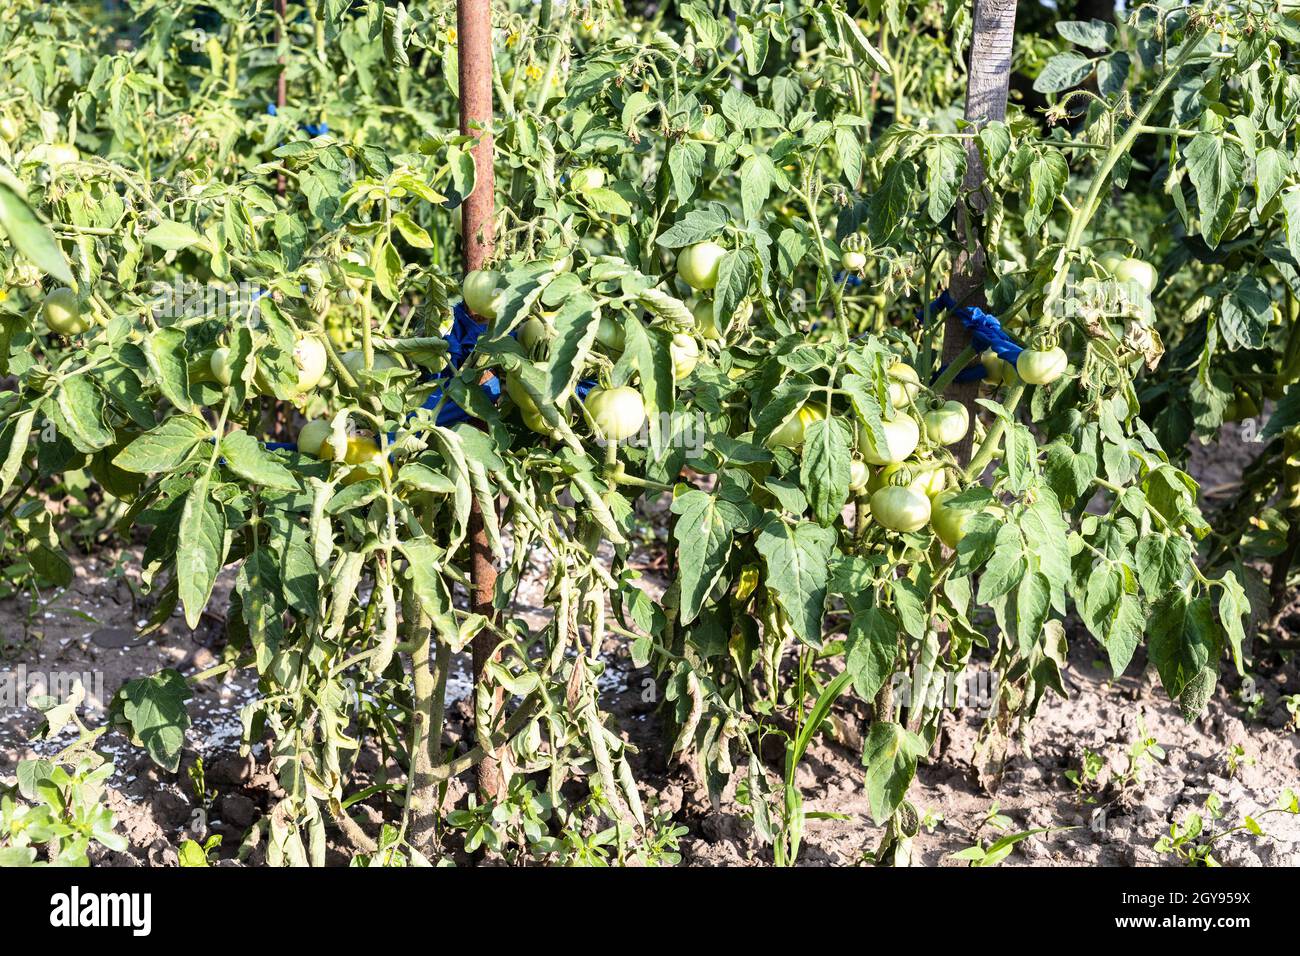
311	129
986	333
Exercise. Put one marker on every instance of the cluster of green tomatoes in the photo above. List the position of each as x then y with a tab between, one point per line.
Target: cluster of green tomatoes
616	412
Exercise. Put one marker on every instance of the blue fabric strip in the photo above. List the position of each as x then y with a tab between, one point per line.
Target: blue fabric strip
986	333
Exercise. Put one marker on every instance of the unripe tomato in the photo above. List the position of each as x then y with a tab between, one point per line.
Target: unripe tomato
374	467
592	177
311	360
480	292
611	334
790	433
357	259
1110	259
1131	270
355	361
357	451
859	475
515	389
901	437
617	412
927	478
532	417
686	355
219	363
853	261
947	422
948	523
312	436
1042	366
904	384
9	128
57	154
61	312
702	312
698	264
900	509
702	135
744	311
1242	405
532	333
997	370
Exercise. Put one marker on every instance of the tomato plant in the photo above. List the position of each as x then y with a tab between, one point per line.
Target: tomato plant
728	267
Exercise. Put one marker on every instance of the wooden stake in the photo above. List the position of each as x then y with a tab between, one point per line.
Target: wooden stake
988	79
474	45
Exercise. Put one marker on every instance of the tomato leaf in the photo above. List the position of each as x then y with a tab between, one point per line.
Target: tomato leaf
889	754
165	447
798	568
29	235
248	458
824	471
153	710
871	650
1215	165
704	529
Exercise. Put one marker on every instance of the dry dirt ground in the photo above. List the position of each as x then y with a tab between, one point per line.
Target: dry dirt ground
1242	752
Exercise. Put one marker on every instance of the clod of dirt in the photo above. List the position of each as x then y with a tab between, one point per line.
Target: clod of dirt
238	810
231	770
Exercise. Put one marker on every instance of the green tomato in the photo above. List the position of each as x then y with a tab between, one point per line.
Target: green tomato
702	312
61	312
947	422
351	281
611	334
948	523
219	363
997	370
56	154
1110	259
685	352
585	180
901	438
790	433
480	291
311	360
698	264
534	420
1127	270
312	436
618	412
9	128
853	261
904	384
355	362
1042	366
859	476
532	333
900	509
515	389
927	478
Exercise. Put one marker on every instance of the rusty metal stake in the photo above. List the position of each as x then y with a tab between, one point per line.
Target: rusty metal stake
474	45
